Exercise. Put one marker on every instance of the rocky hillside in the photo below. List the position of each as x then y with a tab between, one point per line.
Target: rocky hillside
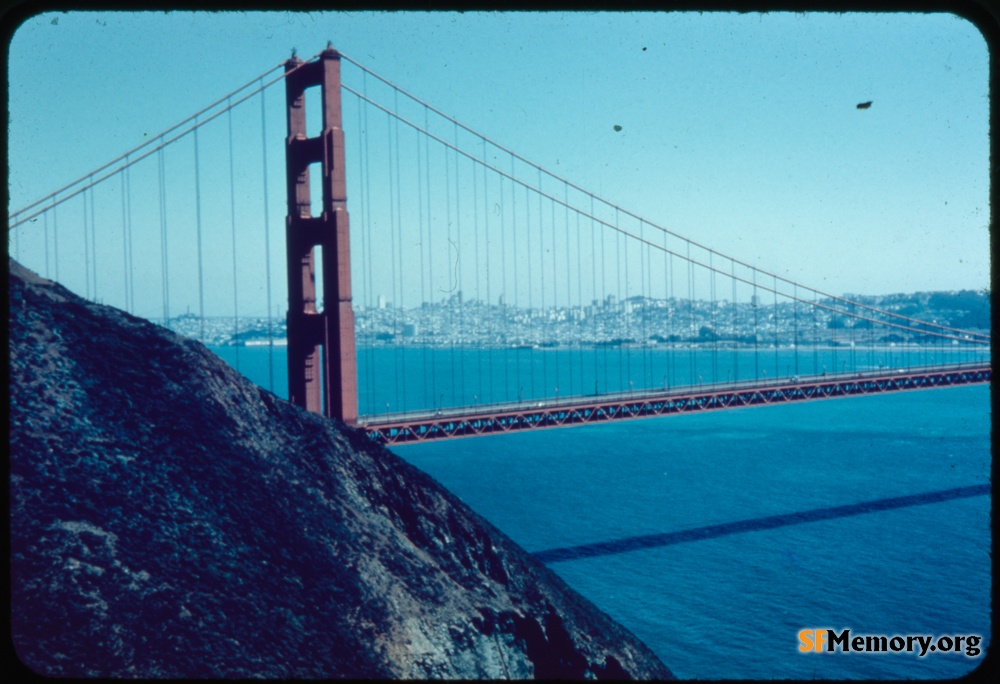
170	519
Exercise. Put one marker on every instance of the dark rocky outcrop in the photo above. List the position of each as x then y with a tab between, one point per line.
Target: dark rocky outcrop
170	519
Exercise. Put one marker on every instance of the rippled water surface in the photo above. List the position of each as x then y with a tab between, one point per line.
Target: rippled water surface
729	601
731	606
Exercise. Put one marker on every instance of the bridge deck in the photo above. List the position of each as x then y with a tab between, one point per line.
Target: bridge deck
452	423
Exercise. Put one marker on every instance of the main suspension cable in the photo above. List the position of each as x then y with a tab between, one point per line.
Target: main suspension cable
612	205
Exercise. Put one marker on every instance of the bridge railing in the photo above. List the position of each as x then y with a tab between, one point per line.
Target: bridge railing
486	409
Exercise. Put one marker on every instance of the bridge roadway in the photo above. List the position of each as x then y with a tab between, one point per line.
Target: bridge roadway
486	419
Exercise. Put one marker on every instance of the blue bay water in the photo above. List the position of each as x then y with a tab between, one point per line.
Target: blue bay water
401	379
731	606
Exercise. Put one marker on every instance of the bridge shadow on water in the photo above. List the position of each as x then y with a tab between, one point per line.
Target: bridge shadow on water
771	522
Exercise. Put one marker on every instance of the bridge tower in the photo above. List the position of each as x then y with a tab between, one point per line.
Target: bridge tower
321	351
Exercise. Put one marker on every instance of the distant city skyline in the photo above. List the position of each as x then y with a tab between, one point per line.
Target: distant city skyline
635	321
739	131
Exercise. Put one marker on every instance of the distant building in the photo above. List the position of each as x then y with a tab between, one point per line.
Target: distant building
381	301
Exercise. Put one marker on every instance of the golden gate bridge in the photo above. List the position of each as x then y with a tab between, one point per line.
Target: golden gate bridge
505	281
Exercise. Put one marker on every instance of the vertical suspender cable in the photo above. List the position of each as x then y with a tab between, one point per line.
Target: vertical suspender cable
604	293
777	371
715	334
392	260
479	299
503	294
55	239
424	299
737	342
673	307
489	301
753	305
125	234
452	287
365	397
517	299
430	254
569	296
795	316
541	275
941	350
528	257
45	226
86	242
871	340
651	381
644	250
692	361
197	201
399	227
626	309
854	322
533	338
363	345
232	216
267	240
367	225
93	236
363	321
619	303
458	266
815	312
164	271
667	289
833	344
163	251
555	280
884	360
885	332
131	263
594	298
579	296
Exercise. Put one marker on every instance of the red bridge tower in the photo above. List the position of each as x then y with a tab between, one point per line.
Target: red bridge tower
321	351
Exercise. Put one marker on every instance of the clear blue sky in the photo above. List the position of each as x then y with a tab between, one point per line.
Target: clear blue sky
738	131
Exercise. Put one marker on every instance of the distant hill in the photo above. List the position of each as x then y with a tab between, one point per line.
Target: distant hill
170	519
965	309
